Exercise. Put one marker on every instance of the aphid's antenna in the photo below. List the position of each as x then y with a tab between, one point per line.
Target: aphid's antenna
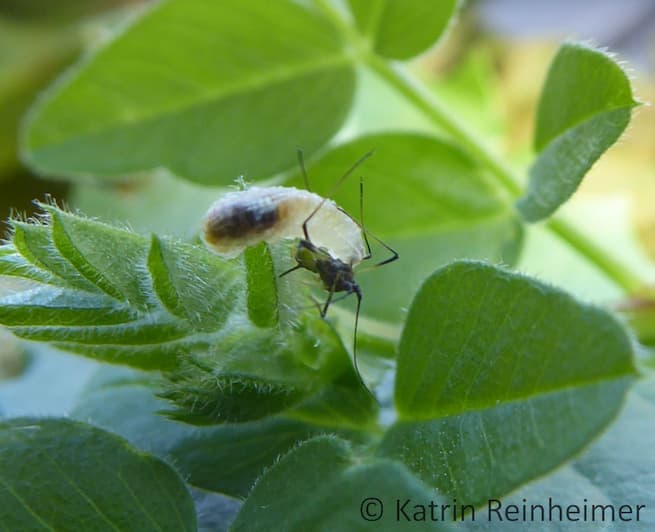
303	170
358	293
334	188
394	253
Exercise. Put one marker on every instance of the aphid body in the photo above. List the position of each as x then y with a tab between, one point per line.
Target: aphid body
244	218
336	275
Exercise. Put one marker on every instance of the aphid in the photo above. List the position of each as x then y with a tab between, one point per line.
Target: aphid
337	243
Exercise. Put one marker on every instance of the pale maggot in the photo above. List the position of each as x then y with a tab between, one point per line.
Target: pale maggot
268	214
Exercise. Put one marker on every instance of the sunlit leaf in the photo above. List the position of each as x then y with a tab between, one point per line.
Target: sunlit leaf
586	103
209	101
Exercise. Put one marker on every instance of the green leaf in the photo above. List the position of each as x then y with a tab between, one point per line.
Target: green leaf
322	485
202	400
256	376
528	338
36	258
497	366
224	458
209	102
262	288
98	255
585	105
610	472
400	30
65	475
342	406
161	304
425	198
262	372
111	294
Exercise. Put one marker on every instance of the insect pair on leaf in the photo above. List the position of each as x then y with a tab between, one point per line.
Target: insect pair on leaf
337	243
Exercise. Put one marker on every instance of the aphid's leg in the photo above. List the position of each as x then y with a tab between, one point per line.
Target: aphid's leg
365	233
333	190
340	298
316	304
394	253
303	282
327	302
361	219
303	170
330	294
296	267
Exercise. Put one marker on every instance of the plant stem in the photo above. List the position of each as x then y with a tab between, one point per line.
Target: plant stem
443	118
604	261
439	114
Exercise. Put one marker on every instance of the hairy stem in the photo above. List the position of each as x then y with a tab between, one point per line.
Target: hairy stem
603	260
442	117
439	114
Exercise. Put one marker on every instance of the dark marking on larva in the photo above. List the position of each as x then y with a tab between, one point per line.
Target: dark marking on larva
241	221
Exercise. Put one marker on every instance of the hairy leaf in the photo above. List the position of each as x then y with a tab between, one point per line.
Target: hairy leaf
497	369
264	371
111	294
156	303
585	105
322	485
225	458
201	88
59	474
616	470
